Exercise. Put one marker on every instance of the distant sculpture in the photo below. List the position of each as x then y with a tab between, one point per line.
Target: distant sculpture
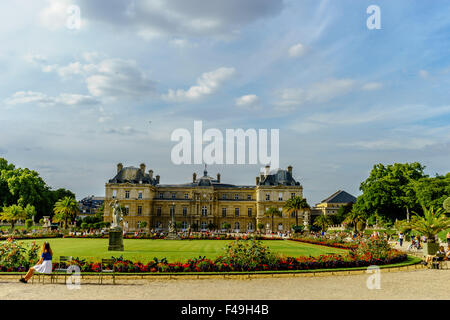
116	215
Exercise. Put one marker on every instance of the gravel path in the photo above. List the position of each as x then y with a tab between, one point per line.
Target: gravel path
419	284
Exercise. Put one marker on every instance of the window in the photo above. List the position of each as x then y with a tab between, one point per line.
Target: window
158	211
224	196
184	225
127	194
161	195
249	212
236	197
114	194
280	227
184	211
236	212
292	195
140	195
174	195
237	226
293	214
204	225
127	210
267	196
280	196
224	212
249	197
186	195
158	225
172	210
204	211
139	210
250	226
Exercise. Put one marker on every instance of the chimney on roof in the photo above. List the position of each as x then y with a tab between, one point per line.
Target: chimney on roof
257	181
142	166
119	167
157	179
150	174
266	170
289	169
218	177
194	177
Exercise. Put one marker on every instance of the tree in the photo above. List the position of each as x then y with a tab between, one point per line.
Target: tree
30	211
226	226
353	218
431	223
389	191
272	212
294	205
342	213
143	224
13	214
432	192
260	226
323	221
65	209
446	205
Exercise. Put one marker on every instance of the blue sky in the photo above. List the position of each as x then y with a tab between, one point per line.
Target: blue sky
75	102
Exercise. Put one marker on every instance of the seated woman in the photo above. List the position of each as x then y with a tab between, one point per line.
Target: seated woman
44	264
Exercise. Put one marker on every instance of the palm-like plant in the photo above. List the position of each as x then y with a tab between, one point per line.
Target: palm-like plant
431	223
294	205
272	212
12	214
353	218
65	209
323	221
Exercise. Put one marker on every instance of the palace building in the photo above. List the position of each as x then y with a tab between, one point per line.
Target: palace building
203	203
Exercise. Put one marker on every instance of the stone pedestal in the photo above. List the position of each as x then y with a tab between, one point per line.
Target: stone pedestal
172	236
115	240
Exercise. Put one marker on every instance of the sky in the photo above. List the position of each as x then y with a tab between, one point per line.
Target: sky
78	96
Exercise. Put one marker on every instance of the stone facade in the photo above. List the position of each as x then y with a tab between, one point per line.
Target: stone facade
204	201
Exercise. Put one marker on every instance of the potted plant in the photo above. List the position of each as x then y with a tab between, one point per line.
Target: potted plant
430	224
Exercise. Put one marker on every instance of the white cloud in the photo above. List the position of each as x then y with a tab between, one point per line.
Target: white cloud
150	18
371	86
318	92
41	99
297	50
250	101
424	74
207	83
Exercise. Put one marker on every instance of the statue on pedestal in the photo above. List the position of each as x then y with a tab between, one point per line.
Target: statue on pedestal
116	215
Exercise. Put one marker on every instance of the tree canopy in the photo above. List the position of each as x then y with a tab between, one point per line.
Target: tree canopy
25	187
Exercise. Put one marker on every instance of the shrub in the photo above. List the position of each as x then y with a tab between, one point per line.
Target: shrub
373	249
84	225
28	223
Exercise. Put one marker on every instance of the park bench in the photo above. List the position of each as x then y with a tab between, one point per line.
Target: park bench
62	267
104	269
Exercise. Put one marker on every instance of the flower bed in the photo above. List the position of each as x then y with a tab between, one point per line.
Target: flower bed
31	237
327	242
191	237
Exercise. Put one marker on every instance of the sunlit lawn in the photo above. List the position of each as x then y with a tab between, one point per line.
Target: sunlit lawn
174	250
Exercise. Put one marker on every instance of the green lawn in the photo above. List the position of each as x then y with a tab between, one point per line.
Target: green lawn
174	250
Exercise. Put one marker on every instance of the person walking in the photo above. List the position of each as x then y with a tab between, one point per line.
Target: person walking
400	238
448	239
44	264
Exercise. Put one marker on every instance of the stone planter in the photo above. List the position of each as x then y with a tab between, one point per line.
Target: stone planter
430	248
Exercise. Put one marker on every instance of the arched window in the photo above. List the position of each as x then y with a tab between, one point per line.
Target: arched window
204	225
250	226
204	211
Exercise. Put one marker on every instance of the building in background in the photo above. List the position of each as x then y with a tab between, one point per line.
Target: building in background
203	202
89	205
331	205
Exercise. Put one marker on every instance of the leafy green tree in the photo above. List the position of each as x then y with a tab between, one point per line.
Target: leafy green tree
272	212
65	209
432	192
354	218
226	226
260	226
12	214
323	222
294	205
30	211
342	213
446	205
431	223
144	224
389	190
